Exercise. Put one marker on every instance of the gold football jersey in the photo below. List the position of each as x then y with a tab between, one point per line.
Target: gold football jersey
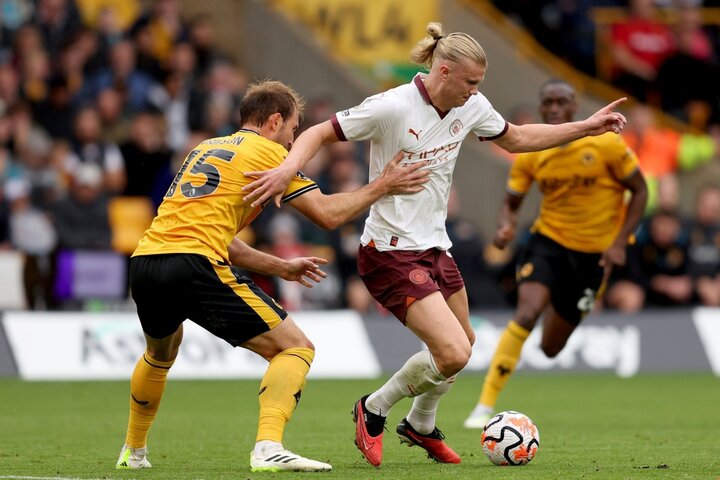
583	201
203	209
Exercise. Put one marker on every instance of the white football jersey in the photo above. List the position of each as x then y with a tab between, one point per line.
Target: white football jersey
404	118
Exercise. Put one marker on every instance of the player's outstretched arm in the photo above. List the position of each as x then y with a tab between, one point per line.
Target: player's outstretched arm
331	211
272	183
299	269
536	136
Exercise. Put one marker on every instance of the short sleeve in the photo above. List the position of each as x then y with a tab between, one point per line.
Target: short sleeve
622	161
298	185
366	121
520	177
489	124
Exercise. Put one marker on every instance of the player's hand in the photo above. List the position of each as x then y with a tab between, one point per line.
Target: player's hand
607	119
504	235
615	256
303	269
268	184
404	178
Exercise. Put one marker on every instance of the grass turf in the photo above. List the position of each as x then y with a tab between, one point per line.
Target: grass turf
591	427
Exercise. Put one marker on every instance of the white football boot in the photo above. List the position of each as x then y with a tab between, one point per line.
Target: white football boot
285	460
132	458
478	417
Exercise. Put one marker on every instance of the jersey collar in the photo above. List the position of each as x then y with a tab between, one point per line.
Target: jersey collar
426	96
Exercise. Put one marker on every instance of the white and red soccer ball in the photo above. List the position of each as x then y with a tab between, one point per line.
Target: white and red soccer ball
510	438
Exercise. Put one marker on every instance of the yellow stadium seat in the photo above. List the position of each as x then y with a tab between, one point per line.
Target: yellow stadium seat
129	218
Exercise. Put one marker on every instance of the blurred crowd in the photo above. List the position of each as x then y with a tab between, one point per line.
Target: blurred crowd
101	100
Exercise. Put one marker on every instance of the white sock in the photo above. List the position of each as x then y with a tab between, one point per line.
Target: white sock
417	376
424	407
265	447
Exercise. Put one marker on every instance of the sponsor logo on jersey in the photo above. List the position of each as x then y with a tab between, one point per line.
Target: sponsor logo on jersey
394	241
456	127
418	277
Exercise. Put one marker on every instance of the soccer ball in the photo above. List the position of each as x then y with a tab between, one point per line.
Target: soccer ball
510	438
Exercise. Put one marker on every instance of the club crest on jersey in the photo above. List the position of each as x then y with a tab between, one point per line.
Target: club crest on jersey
588	159
418	277
525	271
394	241
456	127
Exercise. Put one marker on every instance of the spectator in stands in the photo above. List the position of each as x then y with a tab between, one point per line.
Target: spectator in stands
202	40
89	147
697	146
165	27
34	76
214	100
57	20
81	218
33	234
655	146
27	39
657	270
124	75
115	119
55	113
638	46
147	158
9	85
14	14
688	74
704	250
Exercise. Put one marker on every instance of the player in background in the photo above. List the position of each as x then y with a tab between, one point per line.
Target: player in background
579	235
183	268
404	259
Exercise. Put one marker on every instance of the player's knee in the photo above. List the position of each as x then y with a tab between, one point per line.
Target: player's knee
526	317
453	359
552	350
471	337
163	353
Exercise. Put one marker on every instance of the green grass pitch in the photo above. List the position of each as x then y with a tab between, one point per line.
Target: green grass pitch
591	427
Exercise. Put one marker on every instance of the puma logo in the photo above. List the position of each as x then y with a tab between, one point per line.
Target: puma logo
413	132
140	402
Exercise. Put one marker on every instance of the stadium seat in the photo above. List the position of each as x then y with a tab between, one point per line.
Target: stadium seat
12	293
129	217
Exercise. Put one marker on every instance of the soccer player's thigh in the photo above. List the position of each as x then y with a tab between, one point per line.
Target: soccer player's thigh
573	295
452	286
431	319
404	283
232	307
157	283
535	274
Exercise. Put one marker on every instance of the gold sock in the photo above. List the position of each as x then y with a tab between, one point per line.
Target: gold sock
503	362
280	391
146	390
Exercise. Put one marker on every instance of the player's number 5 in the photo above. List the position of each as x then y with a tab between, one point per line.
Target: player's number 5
212	175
